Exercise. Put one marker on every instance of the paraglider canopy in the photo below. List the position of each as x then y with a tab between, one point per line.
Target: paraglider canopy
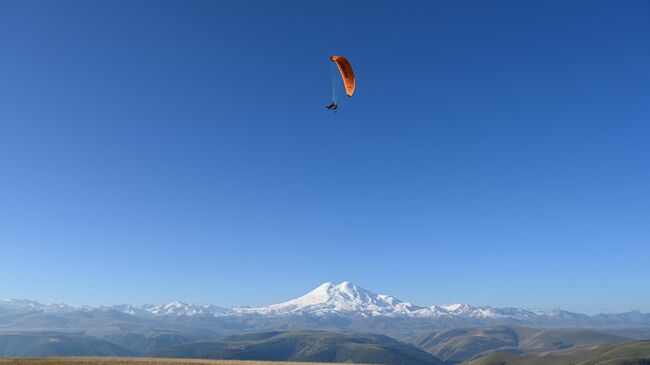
346	73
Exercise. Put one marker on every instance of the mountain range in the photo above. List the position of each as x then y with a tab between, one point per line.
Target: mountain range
343	304
334	322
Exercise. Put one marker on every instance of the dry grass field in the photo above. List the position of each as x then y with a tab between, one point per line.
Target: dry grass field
140	361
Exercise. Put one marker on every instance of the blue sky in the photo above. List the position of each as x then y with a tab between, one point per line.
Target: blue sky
494	152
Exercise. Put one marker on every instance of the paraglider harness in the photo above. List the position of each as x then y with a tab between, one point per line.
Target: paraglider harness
332	106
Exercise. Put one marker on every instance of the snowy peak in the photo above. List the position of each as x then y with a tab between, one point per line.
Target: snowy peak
456	308
178	308
344	298
24	304
347	299
129	309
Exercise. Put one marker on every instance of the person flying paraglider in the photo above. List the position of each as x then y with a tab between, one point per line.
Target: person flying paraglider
347	75
332	106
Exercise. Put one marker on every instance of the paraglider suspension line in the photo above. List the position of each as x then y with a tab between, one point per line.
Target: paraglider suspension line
335	78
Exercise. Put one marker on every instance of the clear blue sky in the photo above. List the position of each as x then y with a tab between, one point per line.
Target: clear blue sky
494	153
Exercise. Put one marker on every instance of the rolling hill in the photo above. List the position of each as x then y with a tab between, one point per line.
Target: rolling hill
306	346
46	345
463	344
629	353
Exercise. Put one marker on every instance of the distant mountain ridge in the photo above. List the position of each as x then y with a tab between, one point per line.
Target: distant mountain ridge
347	301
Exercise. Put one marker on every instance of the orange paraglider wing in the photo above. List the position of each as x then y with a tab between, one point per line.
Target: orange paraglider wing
346	73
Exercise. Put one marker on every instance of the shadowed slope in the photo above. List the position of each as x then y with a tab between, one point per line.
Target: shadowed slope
630	353
306	346
464	344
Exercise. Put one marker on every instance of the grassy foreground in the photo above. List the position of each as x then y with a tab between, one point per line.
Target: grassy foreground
139	361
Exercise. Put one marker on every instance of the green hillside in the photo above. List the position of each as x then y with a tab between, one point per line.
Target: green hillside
464	344
137	361
309	346
630	353
46	345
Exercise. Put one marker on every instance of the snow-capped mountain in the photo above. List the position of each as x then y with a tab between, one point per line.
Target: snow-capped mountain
129	309
175	308
31	305
344	299
340	299
178	308
348	301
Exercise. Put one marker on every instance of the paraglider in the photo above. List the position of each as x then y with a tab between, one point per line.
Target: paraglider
344	68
